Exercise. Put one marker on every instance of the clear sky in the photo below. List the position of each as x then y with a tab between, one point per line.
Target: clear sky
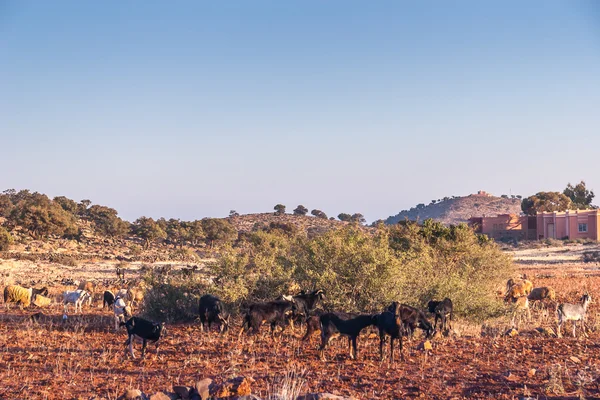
189	109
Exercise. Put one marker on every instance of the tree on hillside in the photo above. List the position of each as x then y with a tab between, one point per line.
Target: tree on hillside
82	207
358	217
5	205
106	221
344	217
300	210
279	209
67	204
218	231
233	213
6	239
504	196
148	230
319	214
579	195
420	206
177	232
195	232
42	217
545	201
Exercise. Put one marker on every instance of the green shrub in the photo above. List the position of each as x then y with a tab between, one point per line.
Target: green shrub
6	239
183	254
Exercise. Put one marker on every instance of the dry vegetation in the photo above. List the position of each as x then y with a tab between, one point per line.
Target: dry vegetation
84	358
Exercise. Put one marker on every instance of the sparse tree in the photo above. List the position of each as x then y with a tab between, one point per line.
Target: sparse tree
504	196
358	217
319	214
420	206
6	239
218	231
580	196
300	210
106	221
279	209
195	232
433	201
545	201
148	230
233	213
67	204
344	217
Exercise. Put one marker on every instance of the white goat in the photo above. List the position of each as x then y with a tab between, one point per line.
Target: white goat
76	297
573	312
122	311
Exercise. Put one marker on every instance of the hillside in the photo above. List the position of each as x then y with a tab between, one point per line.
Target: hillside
460	209
310	224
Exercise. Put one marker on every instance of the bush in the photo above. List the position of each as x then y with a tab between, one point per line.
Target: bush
172	298
184	254
64	259
6	239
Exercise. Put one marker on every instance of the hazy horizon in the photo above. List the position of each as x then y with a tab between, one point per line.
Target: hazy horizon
188	110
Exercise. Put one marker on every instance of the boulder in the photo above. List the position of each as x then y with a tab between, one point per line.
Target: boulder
322	396
203	388
162	396
133	394
182	391
239	386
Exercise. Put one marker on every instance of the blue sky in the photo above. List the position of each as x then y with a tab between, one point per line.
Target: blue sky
191	109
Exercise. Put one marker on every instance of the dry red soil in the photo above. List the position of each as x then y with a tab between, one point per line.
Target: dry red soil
84	358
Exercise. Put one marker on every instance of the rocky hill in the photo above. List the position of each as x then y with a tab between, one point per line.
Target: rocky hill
459	209
310	224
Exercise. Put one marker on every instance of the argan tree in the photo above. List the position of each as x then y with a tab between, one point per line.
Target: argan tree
148	230
545	201
580	196
300	210
218	231
106	221
344	217
319	214
279	209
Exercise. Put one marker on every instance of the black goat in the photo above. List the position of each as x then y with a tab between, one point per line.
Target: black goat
211	310
442	310
335	324
145	330
108	299
43	291
273	312
389	322
313	322
413	318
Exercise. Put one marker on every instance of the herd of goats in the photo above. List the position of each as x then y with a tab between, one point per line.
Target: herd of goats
396	321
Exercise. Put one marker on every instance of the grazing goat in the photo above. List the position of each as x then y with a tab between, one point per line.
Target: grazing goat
89	287
146	330
573	312
413	318
442	310
305	303
334	324
515	289
211	310
273	312
390	323
520	306
18	294
76	297
108	298
541	294
122	312
313	322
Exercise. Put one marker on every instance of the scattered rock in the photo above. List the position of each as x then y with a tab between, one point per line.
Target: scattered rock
203	388
426	346
575	359
546	331
162	396
321	396
133	394
182	391
531	372
240	386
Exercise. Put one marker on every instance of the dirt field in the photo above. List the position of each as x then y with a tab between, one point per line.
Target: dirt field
85	359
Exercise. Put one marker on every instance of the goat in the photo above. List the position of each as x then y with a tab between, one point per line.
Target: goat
334	324
442	310
122	312
390	323
413	318
305	303
274	312
573	312
76	297
211	310
89	287
541	294
145	330
108	298
313	322
520	306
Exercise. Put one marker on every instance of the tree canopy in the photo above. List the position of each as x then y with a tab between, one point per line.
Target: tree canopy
580	196
545	201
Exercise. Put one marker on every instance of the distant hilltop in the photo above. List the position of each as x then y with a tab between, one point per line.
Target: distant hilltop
454	210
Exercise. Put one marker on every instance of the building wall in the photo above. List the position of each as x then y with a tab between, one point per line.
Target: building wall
566	224
503	226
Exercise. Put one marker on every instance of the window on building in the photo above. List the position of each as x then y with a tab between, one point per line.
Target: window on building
582	227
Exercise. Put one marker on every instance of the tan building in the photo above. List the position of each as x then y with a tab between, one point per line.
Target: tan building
572	224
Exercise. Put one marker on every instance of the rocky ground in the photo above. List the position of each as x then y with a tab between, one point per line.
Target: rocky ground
84	358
